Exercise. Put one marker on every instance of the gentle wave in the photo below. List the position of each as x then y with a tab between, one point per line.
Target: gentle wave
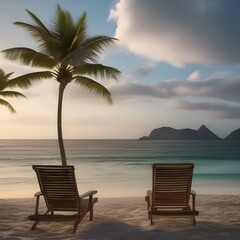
108	165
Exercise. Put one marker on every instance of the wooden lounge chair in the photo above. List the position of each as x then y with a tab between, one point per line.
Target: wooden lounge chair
59	189
171	191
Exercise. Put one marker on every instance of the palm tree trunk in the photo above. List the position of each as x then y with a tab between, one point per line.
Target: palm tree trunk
59	124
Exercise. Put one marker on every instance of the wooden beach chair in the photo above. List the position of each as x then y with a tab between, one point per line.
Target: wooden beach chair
171	191
59	188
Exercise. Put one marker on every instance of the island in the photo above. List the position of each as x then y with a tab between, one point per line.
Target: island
168	133
235	135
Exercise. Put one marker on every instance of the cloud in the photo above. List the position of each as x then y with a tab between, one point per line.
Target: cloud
129	90
145	70
194	77
216	88
180	32
221	110
222	94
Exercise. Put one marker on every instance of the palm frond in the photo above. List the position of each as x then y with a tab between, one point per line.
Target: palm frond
28	56
12	94
27	80
95	46
2	73
8	75
94	86
97	70
8	105
41	33
78	56
35	31
63	21
80	35
4	76
51	46
46	40
64	30
39	22
89	50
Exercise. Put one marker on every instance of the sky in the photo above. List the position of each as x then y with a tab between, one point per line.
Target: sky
180	64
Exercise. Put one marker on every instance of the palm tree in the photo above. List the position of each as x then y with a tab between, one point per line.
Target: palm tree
68	54
6	83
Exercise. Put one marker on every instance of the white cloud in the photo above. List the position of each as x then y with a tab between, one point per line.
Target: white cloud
194	77
180	32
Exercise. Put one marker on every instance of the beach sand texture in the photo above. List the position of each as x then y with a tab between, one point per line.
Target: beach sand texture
126	218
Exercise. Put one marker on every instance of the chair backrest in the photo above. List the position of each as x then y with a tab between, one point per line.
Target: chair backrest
171	185
58	186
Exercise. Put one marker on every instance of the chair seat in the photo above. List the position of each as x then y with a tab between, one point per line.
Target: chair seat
175	212
55	217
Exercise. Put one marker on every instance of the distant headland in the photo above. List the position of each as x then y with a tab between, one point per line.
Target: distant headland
203	133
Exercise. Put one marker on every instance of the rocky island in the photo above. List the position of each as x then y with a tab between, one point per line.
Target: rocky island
235	135
168	133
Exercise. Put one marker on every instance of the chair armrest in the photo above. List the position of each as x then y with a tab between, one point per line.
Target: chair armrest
87	194
149	192
193	192
148	198
38	194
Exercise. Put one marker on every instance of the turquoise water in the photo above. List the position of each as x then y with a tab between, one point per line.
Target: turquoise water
120	167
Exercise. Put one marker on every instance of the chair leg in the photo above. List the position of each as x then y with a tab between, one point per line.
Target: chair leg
194	220
75	226
91	212
34	225
90	206
36	212
193	207
78	221
148	205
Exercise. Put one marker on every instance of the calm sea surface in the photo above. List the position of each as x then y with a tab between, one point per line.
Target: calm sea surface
120	167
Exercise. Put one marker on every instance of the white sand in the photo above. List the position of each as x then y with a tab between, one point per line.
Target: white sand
126	218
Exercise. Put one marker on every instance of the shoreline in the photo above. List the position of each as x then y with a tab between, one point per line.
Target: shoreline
226	187
126	218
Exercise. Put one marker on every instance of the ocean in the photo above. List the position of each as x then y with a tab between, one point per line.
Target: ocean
120	168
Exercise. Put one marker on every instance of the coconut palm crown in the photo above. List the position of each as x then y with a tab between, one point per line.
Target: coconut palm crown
5	85
68	54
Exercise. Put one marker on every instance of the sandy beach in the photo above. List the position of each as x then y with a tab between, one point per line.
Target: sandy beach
126	218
